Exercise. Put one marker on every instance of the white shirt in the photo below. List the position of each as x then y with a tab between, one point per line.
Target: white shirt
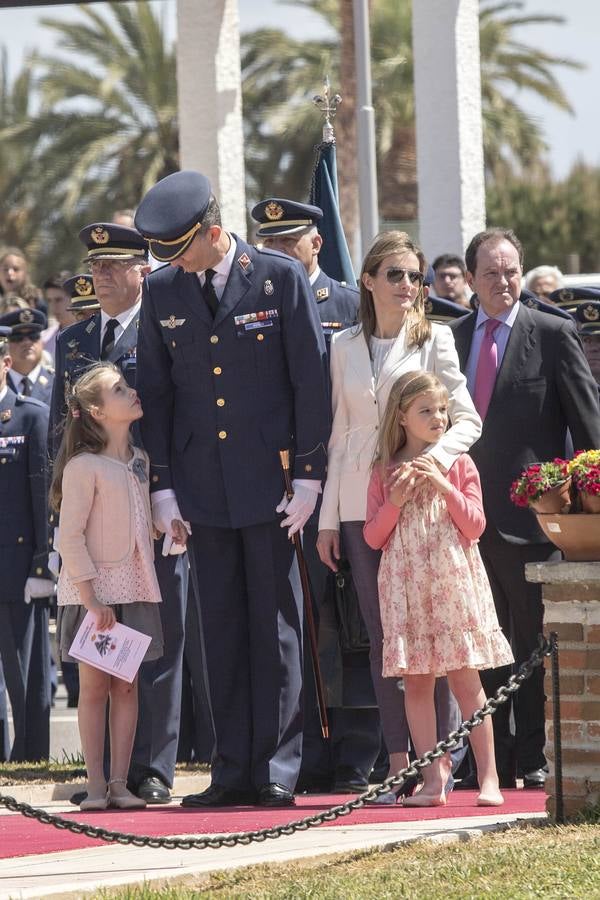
221	270
3	393
17	379
312	278
124	319
501	335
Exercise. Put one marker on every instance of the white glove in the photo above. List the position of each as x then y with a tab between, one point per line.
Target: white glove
170	548
38	587
164	509
54	556
302	505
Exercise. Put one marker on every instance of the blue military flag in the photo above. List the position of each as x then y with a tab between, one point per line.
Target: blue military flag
334	258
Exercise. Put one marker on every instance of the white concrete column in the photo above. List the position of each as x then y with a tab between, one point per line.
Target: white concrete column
449	129
210	101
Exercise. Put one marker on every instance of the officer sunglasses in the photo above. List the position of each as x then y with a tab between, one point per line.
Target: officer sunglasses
395	275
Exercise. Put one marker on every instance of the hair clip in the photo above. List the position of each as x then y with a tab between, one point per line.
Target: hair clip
75	413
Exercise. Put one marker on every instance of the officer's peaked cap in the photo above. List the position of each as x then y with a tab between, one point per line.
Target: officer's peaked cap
107	241
171	213
278	216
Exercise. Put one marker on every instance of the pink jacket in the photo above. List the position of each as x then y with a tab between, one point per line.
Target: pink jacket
97	514
464	503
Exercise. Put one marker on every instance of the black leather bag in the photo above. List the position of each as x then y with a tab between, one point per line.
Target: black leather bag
352	629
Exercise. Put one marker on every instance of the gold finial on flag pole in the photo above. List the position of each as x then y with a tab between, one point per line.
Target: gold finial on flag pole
328	105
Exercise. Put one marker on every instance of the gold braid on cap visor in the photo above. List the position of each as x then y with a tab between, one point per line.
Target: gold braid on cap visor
185	239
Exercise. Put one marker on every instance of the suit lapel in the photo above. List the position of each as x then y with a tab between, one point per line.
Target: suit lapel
398	355
463	338
360	359
239	281
520	343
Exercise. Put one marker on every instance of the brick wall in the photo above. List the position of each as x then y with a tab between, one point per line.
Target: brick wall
573	611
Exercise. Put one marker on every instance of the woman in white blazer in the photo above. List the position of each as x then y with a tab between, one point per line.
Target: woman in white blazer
393	336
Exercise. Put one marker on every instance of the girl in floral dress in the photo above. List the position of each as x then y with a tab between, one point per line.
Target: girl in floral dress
100	486
437	609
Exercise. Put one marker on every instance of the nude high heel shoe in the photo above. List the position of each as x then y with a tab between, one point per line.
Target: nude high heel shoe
123	799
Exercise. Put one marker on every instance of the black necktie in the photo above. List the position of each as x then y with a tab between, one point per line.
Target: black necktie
108	341
26	387
210	295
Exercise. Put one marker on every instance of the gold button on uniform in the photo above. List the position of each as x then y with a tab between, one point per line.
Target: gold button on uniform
155	478
217	370
308	467
222	435
220	402
3	460
19	540
260	337
214	339
39	571
173	343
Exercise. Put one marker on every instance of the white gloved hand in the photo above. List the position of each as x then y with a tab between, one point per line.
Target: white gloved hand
54	556
170	548
164	509
38	587
302	505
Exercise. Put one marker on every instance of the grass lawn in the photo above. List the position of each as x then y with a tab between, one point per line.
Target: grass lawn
519	864
53	772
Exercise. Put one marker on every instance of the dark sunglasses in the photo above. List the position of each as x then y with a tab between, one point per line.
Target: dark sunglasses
395	275
19	338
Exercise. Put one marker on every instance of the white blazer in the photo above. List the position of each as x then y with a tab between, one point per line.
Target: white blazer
359	404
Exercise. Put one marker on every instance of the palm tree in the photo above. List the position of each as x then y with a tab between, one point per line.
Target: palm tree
280	73
107	125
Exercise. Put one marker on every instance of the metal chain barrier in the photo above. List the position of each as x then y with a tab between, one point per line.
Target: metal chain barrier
503	693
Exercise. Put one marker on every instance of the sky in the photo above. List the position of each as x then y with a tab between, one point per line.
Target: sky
569	137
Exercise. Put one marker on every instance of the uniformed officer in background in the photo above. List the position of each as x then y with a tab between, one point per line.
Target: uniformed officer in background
82	292
231	370
118	258
23	562
291	228
28	376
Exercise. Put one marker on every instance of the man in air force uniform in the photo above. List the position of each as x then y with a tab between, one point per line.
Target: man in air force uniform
231	370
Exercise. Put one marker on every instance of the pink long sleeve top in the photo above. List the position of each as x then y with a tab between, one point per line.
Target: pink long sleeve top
464	502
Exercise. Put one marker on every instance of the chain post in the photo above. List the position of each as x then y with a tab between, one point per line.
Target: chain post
559	811
204	842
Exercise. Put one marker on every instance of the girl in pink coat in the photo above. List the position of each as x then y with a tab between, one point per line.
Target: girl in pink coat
437	609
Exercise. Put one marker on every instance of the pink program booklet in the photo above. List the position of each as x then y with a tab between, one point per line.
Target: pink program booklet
118	650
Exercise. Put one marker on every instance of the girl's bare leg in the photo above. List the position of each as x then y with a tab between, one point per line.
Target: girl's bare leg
420	712
91	715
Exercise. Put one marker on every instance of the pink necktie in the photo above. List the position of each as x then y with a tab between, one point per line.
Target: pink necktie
487	366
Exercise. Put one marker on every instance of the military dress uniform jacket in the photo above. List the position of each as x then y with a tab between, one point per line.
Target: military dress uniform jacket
78	348
41	389
337	304
223	396
23	494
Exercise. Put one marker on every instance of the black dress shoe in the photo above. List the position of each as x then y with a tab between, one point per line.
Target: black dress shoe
153	790
275	795
216	795
534	779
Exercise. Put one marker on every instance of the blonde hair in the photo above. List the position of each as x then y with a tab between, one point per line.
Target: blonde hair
385	244
404	392
82	432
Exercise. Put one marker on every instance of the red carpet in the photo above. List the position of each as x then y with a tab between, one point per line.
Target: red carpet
22	837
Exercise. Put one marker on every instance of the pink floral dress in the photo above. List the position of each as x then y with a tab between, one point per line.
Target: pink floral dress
437	609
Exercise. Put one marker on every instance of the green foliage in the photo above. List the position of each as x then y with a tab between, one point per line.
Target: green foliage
553	219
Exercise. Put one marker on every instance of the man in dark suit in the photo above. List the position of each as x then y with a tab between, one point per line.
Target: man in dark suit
24	566
530	383
231	370
28	376
118	258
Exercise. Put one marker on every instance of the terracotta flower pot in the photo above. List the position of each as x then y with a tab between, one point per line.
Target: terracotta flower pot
577	535
590	503
555	500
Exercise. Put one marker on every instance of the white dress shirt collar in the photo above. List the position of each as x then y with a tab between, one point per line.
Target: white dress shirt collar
17	378
312	278
3	393
507	316
124	319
